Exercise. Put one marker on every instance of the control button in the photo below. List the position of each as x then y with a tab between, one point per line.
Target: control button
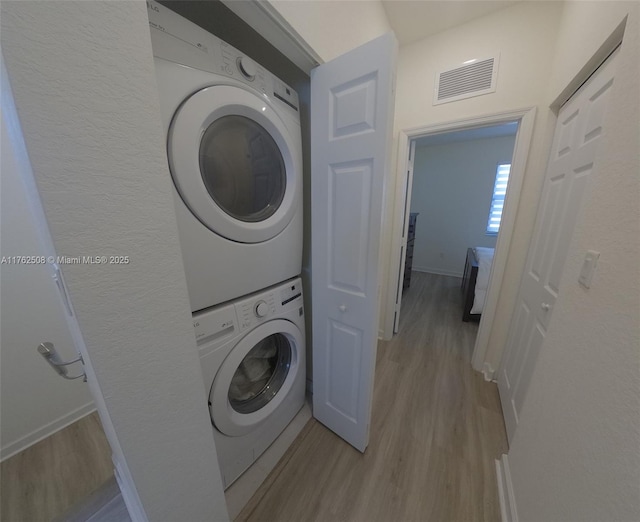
261	309
247	67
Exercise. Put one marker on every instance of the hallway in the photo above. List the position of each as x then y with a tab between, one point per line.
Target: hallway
437	428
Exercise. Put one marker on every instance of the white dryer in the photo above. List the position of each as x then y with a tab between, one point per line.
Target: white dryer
252	353
235	156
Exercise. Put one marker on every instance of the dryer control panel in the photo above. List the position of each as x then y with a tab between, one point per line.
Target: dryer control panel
176	39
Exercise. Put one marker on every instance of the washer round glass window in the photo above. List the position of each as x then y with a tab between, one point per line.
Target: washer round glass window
261	374
242	168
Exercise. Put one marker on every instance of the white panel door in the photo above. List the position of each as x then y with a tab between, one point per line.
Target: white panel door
405	230
571	163
351	123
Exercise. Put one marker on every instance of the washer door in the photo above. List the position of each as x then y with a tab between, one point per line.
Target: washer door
256	377
231	159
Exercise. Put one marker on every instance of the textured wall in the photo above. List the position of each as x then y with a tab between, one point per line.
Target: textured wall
452	190
576	453
83	79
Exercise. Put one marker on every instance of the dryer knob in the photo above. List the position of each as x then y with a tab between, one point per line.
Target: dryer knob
262	308
247	67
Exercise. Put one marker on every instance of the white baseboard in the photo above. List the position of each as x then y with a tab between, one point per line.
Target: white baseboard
507	499
488	372
437	271
45	431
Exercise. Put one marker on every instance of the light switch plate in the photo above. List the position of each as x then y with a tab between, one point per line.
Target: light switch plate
588	268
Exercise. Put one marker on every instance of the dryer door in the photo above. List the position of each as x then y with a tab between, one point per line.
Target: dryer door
256	377
232	160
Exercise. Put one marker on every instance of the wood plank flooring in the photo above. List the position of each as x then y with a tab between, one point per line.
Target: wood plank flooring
436	429
45	480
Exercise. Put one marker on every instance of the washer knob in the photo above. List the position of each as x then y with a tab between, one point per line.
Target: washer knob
261	308
247	67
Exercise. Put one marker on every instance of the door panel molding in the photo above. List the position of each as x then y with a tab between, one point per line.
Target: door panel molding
569	170
351	126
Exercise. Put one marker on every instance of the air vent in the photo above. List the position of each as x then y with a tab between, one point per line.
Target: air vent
473	79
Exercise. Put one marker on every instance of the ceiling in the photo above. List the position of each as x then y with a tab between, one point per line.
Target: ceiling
413	20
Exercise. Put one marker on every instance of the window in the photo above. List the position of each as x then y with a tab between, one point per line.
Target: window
497	201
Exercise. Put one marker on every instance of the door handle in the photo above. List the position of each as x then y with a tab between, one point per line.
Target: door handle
50	354
342	308
546	306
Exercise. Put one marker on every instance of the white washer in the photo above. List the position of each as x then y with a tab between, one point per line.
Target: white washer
235	155
252	353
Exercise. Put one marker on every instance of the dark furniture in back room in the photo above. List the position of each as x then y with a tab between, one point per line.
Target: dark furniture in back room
411	236
469	285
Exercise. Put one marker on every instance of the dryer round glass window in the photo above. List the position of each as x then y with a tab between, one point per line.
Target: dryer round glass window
242	168
235	163
261	374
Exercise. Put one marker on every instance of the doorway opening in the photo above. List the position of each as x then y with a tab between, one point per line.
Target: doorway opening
450	207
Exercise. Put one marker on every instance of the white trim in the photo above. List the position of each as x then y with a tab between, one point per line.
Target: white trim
488	372
526	118
436	271
508	510
404	227
273	27
397	254
518	166
128	491
45	431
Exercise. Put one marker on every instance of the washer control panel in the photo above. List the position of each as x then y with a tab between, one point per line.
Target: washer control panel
215	324
290	292
261	309
255	310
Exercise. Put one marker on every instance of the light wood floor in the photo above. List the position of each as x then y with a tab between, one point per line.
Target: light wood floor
436	429
44	481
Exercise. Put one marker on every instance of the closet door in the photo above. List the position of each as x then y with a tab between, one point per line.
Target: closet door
578	131
351	124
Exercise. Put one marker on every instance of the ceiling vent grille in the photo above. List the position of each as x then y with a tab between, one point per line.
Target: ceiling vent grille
473	79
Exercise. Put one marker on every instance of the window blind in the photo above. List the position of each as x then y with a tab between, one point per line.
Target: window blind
497	201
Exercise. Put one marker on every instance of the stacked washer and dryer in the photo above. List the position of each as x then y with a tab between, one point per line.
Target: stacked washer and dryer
235	157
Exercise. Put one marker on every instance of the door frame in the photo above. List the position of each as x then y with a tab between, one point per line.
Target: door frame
525	118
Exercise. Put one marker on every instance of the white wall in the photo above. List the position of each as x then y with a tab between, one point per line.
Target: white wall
575	455
83	79
332	28
35	400
525	36
452	190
